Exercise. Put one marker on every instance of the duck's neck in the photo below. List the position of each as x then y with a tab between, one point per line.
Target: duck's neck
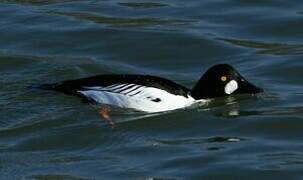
203	90
198	92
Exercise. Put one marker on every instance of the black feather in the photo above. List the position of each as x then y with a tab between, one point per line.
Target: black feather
73	86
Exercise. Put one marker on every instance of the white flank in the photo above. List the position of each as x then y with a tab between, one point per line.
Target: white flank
140	98
231	86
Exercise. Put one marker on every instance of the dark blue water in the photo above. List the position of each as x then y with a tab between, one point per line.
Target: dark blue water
47	135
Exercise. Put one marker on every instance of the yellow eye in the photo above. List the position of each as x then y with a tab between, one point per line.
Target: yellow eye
223	78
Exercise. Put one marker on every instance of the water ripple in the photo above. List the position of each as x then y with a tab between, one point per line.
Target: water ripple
280	160
35	2
217	139
56	177
143	5
267	48
122	21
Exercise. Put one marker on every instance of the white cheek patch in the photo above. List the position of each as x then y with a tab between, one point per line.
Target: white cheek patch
231	86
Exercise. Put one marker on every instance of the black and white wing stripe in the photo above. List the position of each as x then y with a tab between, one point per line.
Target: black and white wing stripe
125	89
132	90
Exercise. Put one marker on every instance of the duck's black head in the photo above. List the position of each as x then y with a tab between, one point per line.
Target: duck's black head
222	80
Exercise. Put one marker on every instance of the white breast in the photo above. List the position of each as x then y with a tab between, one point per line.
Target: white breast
137	97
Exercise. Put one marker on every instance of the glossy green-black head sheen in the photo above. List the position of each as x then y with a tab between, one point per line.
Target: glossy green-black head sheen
222	80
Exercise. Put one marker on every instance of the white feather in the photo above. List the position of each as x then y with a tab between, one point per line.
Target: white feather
139	99
231	86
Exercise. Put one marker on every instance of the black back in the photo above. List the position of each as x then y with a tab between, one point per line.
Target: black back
72	86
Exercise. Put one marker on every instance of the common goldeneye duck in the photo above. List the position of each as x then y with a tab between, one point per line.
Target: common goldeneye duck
155	94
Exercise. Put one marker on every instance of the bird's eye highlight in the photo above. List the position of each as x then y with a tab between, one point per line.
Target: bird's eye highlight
223	78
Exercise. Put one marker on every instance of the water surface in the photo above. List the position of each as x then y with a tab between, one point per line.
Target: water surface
46	135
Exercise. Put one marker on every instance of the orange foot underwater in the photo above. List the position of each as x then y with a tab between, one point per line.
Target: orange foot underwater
104	113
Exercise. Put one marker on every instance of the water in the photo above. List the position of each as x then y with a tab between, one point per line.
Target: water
47	135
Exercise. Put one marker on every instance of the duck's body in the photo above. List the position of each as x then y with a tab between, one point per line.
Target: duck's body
140	92
155	94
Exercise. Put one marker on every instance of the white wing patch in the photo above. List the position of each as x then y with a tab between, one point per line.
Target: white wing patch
137	97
